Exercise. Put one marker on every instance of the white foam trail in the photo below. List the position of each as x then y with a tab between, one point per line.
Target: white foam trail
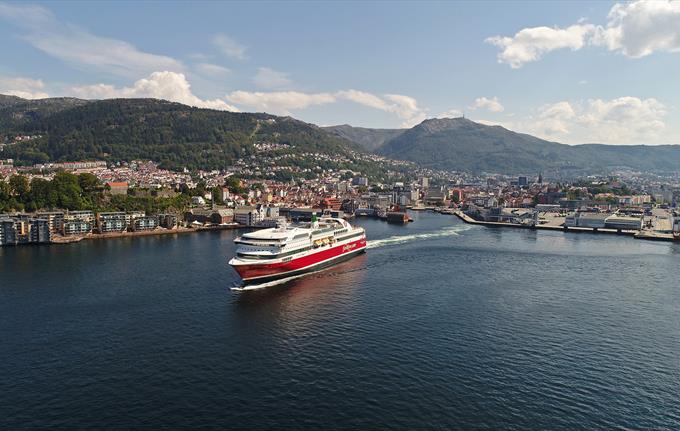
272	283
400	239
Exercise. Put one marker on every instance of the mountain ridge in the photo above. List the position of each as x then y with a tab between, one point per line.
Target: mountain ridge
464	145
178	135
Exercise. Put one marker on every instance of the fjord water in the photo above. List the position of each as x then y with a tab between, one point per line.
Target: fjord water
439	326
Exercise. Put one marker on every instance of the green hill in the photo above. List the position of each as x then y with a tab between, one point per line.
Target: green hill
173	134
17	114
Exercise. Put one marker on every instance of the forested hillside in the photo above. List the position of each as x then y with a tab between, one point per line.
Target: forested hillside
173	134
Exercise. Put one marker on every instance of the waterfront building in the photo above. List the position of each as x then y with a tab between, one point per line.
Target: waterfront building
586	220
77	227
247	215
167	221
222	216
267	211
624	222
372	200
144	223
8	233
39	231
434	197
87	216
198	215
112	222
131	216
55	220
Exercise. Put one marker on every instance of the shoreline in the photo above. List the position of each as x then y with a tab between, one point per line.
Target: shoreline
61	240
650	236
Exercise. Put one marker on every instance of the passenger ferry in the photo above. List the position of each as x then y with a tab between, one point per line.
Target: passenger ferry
290	250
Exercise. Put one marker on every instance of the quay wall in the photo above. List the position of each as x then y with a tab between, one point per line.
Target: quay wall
636	234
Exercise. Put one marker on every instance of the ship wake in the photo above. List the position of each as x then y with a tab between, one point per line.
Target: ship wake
401	239
247	287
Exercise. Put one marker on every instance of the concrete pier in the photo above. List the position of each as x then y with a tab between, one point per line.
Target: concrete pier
648	235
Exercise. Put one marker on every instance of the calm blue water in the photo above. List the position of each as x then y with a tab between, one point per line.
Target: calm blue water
439	326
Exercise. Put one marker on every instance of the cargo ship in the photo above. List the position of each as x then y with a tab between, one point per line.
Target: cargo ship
290	250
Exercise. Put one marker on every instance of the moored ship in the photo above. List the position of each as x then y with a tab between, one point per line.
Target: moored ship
290	250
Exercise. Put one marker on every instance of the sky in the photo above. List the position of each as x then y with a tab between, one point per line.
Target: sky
571	72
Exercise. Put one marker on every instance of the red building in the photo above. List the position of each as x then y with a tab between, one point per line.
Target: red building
118	188
331	203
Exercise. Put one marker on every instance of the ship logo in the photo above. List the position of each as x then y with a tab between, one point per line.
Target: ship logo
348	247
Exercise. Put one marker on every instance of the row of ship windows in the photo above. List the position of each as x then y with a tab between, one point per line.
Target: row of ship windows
289	253
350	236
275	256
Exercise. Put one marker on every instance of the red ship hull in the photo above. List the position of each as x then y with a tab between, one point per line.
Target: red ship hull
328	256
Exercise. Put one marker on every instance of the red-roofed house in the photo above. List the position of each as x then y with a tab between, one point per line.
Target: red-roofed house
118	188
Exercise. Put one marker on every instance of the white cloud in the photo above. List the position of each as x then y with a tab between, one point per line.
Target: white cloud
279	102
530	44
212	70
270	78
29	14
635	29
555	119
640	28
624	120
26	88
404	107
451	113
229	47
283	102
364	98
491	105
81	48
407	109
166	85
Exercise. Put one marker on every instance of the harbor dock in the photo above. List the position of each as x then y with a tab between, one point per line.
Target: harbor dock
638	234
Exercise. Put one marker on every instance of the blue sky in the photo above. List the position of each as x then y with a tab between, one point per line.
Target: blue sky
573	72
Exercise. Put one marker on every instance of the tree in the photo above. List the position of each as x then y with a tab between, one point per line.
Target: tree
19	185
234	185
41	195
68	191
89	183
5	195
217	195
